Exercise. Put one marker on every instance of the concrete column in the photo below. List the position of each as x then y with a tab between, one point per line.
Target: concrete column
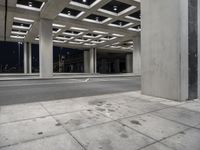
30	58
95	60
129	63
25	58
86	62
92	60
137	56
46	48
169	48
198	49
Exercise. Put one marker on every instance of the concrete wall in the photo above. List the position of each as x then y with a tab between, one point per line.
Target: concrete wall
164	44
137	56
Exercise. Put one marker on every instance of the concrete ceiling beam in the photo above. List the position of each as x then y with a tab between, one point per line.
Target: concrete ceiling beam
52	8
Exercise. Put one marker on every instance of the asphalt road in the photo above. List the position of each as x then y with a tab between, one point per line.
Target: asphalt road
26	91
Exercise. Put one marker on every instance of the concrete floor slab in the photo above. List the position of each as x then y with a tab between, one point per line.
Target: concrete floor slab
194	106
171	103
156	146
18	132
63	106
58	142
94	112
154	99
111	136
115	110
181	115
20	112
197	100
153	126
187	140
145	106
81	119
124	106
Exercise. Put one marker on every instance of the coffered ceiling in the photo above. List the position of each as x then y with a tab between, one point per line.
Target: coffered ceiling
104	24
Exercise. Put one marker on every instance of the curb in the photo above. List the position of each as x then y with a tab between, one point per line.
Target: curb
70	77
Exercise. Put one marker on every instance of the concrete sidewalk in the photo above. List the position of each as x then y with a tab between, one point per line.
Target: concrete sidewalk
123	121
10	77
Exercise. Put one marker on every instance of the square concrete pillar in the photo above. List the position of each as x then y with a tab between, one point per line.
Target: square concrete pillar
129	63
27	58
30	58
137	56
198	12
169	48
86	62
46	48
92	60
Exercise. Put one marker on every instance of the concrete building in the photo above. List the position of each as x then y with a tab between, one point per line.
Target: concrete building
99	75
164	51
91	26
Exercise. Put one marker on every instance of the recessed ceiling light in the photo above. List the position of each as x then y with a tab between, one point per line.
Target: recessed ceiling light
23	19
82	40
97	42
19	32
69	13
115	8
100	32
108	38
116	43
17	37
30	4
84	1
77	28
58	25
118	35
89	44
75	42
59	41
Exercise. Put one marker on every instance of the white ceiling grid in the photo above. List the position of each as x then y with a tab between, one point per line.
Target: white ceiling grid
110	29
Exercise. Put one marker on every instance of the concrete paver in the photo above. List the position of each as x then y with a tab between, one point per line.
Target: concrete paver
156	146
111	136
194	106
153	126
20	112
187	140
81	119
63	106
117	121
113	109
58	142
181	115
19	132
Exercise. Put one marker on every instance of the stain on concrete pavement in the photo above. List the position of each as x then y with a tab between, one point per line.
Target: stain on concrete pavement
100	109
135	122
123	135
